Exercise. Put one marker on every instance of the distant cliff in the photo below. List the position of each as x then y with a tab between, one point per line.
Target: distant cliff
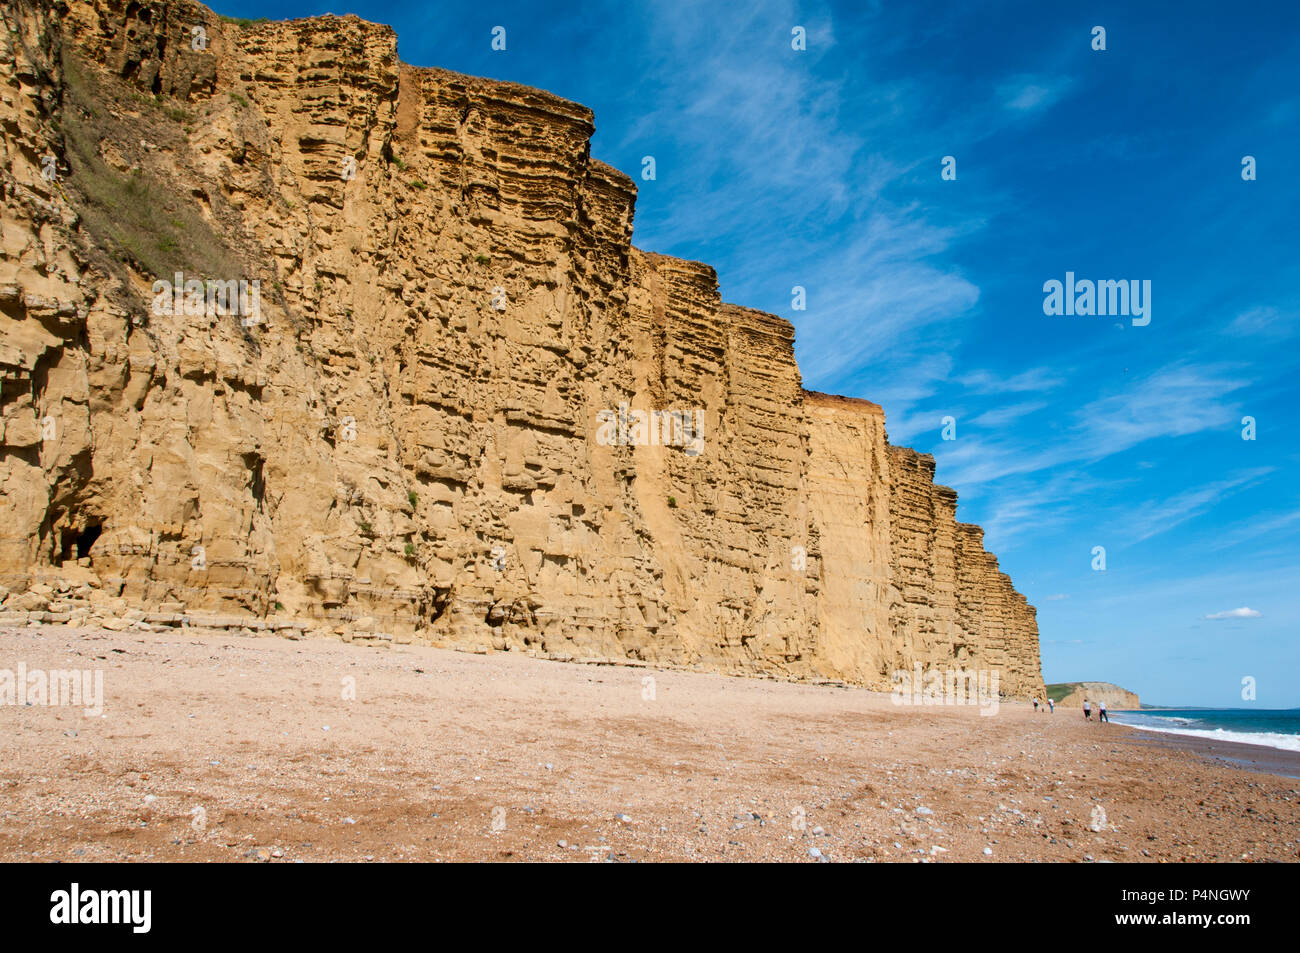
1072	694
465	411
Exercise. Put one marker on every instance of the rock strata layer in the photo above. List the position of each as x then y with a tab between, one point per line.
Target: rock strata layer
461	408
1116	698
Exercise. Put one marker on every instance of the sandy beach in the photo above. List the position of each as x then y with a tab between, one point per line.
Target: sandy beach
213	747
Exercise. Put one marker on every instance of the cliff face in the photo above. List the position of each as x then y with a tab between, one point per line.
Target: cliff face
1072	695
466	409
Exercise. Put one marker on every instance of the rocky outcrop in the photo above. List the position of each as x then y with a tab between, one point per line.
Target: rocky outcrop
1072	695
466	411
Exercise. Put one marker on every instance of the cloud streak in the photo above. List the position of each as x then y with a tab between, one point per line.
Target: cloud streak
1242	613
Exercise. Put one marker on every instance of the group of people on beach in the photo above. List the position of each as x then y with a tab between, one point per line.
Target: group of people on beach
1087	709
1101	711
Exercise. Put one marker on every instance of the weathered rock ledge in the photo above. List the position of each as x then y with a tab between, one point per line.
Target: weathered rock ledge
407	444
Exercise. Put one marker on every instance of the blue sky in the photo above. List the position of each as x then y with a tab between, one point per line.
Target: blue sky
821	168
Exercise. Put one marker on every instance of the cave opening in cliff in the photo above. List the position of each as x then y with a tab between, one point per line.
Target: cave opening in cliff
75	544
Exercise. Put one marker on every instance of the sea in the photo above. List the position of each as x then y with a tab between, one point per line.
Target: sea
1270	727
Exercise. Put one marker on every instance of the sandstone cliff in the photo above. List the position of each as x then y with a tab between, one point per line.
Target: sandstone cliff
407	443
1072	694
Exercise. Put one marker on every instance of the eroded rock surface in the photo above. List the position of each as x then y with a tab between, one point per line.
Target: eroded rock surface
407	443
1116	698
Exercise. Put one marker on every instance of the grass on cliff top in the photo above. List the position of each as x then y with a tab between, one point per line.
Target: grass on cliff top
1059	690
132	215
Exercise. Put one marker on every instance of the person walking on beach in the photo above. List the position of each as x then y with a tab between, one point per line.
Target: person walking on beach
1087	710
1101	711
1051	706
1035	704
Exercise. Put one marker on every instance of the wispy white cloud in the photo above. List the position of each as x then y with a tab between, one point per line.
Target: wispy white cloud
1032	93
1153	517
999	417
1029	507
1177	400
1242	613
1256	528
1035	379
1035	483
879	296
1264	321
731	98
973	460
911	410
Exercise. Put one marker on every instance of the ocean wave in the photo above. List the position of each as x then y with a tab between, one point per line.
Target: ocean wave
1154	719
1264	739
1138	720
